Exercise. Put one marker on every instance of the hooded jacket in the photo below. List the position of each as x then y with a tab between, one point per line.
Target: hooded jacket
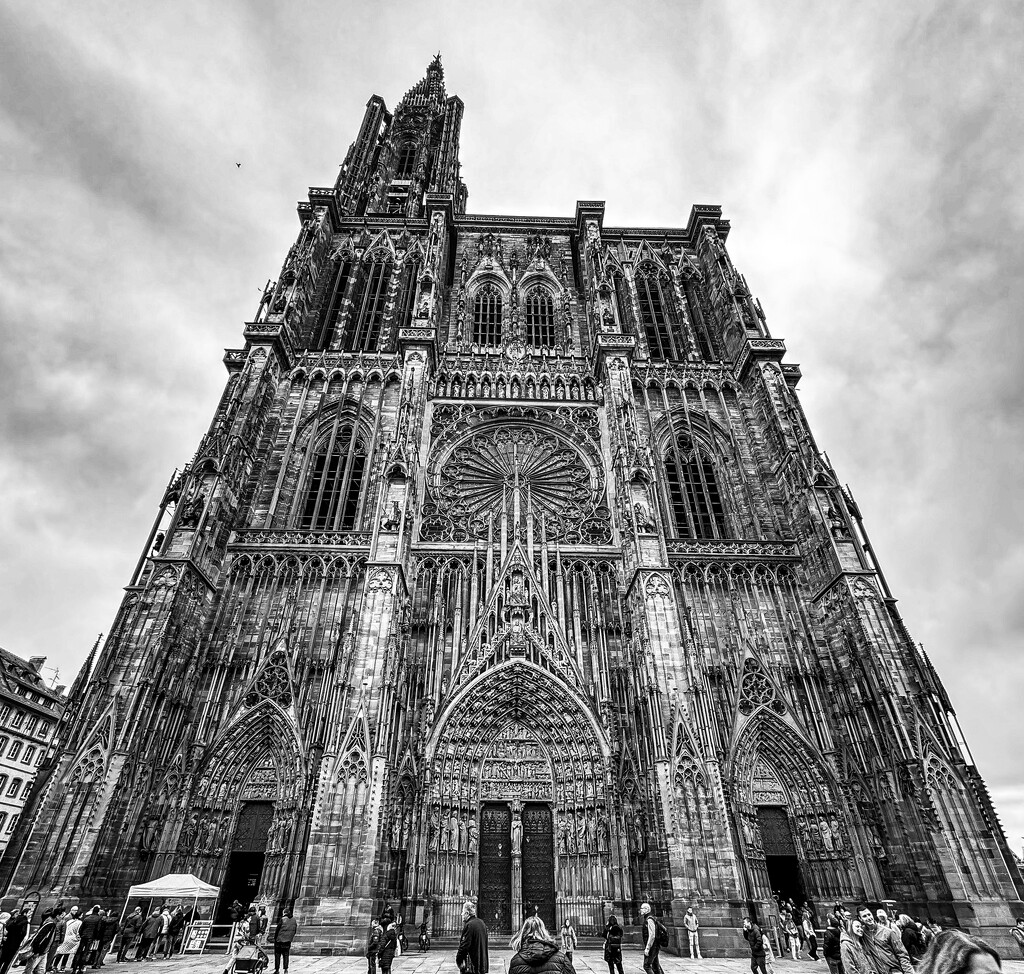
855	961
540	957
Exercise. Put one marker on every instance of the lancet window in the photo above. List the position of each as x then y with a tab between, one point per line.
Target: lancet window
540	318
654	315
695	500
487	304
333	319
369	304
408	299
334	481
406	161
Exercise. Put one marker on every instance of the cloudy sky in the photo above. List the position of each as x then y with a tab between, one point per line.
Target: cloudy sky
868	155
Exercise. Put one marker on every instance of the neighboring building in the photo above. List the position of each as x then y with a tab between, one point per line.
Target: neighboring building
509	567
29	714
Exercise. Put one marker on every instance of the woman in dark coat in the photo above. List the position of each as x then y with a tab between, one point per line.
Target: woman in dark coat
537	952
388	942
613	945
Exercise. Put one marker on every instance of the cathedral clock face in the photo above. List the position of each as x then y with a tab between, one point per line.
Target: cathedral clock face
522	472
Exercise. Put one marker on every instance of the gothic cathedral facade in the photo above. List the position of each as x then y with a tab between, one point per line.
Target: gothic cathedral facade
509	568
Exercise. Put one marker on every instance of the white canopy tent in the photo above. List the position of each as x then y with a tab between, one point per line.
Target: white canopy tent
184	886
180	886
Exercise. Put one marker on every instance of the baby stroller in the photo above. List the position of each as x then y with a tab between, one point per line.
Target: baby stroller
250	959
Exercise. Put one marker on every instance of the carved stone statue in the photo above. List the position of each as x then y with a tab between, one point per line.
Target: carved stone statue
517	836
433	830
474	840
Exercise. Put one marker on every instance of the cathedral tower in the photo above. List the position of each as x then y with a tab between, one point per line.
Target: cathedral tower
509	567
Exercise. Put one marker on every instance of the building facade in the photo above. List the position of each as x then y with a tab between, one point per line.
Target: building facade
30	712
510	568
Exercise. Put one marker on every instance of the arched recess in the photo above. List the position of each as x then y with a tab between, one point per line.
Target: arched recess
258	759
785	804
956	827
518	734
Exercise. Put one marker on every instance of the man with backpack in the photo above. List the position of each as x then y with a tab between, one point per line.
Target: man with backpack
40	944
654	936
753	935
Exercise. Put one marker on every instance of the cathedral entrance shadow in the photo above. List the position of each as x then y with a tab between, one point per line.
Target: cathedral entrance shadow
780	857
247	856
495	907
539	863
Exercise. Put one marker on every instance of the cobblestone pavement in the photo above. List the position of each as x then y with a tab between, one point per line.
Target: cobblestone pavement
442	961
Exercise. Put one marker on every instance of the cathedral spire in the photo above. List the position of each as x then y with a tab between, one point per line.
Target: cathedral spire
428	92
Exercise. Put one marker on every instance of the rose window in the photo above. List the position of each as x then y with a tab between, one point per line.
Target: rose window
527	476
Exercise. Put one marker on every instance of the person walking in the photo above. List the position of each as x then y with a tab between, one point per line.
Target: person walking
1017	932
108	931
176	931
809	935
954	952
613	945
284	934
652	936
568	936
89	943
130	930
69	945
264	924
60	922
150	932
692	925
472	956
882	945
755	938
792	936
373	945
388	941
164	944
851	949
14	935
39	945
536	951
830	946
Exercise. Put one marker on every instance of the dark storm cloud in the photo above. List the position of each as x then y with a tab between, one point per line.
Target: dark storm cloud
868	156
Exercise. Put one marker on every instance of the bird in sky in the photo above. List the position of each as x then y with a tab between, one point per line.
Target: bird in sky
238	165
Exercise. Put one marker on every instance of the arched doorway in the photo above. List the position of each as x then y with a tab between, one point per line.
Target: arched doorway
519	811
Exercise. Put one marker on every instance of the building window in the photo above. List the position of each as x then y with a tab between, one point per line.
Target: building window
44	730
3	819
11	823
410	274
12	792
368	306
540	318
19	719
487	316
694	497
14	751
335	482
406	161
30	727
3	744
653	317
336	308
30	753
3	782
5	712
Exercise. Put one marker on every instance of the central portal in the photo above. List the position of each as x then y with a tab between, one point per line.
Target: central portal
517	864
